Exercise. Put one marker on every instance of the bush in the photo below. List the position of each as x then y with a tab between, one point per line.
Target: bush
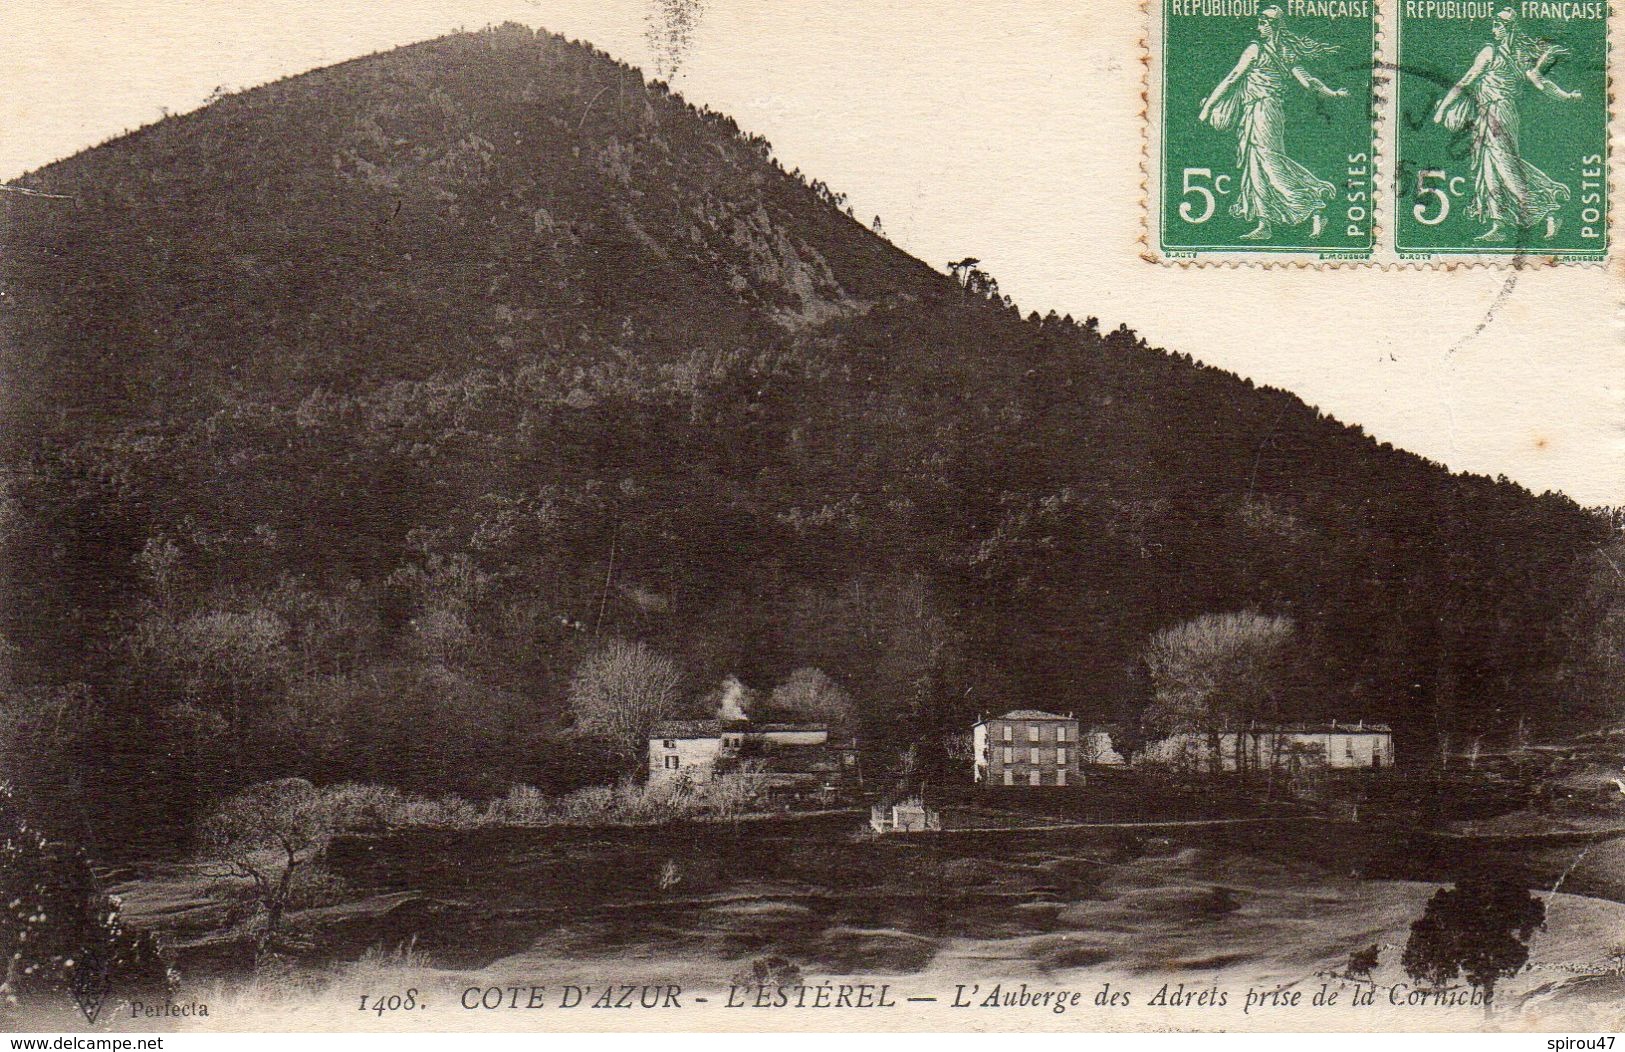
58	932
270	835
352	808
1480	929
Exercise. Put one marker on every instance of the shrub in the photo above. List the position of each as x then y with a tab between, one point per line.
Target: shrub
1363	962
371	809
58	932
1479	929
270	836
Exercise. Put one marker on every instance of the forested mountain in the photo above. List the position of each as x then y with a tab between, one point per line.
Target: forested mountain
345	416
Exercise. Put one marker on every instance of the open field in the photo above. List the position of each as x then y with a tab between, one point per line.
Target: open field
1277	906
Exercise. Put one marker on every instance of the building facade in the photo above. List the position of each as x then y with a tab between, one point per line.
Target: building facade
908	817
1026	747
1285	747
785	756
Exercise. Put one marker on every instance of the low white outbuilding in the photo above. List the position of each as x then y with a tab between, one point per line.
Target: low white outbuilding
1335	745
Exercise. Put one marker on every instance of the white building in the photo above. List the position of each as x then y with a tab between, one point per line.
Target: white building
1340	746
788	755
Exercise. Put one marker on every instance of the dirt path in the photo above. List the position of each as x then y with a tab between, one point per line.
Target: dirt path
1187	823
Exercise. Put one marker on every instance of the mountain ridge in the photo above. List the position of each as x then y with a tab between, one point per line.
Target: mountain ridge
396	387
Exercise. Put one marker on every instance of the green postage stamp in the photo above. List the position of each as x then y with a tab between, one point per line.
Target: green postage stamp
1502	130
1352	132
1263	136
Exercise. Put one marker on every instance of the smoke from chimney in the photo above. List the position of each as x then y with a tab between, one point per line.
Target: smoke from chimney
734	699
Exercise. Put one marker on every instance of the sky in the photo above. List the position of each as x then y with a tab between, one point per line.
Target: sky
1009	130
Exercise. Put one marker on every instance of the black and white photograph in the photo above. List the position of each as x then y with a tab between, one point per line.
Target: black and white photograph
692	516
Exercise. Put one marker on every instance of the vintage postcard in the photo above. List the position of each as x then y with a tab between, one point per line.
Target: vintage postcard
690	516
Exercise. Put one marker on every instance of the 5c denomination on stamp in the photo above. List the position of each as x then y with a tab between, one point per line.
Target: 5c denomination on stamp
1262	136
1502	130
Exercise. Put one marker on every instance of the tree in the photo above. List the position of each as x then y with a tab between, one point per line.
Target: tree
809	694
44	734
1217	673
973	279
271	835
731	699
226	658
958	271
58	932
621	690
1479	929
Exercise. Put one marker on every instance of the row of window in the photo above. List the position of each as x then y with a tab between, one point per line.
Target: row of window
729	741
1033	732
1034	777
1033	755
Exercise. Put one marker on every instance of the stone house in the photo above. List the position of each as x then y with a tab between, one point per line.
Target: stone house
787	756
1026	747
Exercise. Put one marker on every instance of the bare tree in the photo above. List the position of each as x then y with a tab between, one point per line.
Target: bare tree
622	689
1216	673
808	693
270	835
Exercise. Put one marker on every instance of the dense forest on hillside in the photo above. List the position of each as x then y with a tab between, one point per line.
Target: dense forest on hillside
346	417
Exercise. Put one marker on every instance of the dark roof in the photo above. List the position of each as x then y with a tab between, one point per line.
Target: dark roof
1339	727
1027	714
692	728
715	728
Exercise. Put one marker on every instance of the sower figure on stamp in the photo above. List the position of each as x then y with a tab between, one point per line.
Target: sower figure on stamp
1273	188
1506	188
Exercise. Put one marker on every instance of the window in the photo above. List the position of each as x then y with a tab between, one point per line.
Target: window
1032	755
1060	732
1006	732
1009	755
1009	776
1060	757
1348	748
1032	732
668	743
1032	777
672	763
1060	776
